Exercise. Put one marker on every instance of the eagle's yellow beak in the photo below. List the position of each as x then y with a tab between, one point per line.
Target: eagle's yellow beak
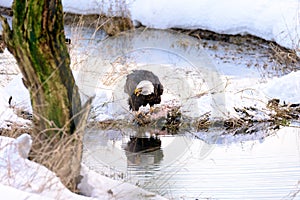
137	91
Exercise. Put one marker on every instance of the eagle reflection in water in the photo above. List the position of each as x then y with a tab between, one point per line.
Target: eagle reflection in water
143	144
144	151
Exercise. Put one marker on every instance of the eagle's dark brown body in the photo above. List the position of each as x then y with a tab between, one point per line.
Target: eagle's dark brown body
133	79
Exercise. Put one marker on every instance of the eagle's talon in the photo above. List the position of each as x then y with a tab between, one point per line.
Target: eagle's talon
151	110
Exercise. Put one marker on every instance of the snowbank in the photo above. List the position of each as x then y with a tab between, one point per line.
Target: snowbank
273	20
18	172
285	88
8	192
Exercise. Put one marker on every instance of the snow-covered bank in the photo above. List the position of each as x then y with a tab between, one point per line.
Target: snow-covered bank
241	86
273	20
24	179
285	88
20	173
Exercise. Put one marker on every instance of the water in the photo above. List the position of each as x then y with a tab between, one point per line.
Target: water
189	168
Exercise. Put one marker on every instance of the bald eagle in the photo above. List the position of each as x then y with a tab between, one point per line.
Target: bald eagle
143	87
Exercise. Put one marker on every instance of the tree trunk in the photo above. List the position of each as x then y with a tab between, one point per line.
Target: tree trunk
37	41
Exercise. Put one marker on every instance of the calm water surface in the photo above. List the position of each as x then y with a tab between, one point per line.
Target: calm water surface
189	168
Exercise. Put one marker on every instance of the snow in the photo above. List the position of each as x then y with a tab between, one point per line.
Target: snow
285	88
18	172
273	20
13	193
268	19
21	100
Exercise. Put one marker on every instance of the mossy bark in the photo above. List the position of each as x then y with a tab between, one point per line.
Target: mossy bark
37	41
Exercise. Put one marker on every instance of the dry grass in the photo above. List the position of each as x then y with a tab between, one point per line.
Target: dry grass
15	130
284	113
113	19
203	122
286	58
111	25
60	154
173	121
162	120
108	124
2	45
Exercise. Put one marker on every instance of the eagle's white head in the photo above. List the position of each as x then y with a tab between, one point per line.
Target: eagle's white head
144	87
